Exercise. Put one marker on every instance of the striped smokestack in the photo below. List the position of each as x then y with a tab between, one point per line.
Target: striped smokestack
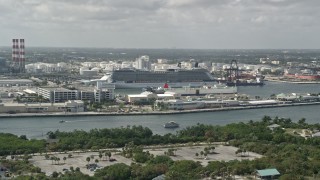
21	56
15	51
18	55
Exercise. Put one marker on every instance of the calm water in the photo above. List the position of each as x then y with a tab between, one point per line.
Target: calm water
39	126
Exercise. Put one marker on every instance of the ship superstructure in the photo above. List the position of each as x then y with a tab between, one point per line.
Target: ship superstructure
132	78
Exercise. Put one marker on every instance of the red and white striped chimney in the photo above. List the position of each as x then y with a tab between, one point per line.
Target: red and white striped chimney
21	56
18	55
15	50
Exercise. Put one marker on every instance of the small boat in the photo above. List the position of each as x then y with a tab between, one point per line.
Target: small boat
171	124
62	121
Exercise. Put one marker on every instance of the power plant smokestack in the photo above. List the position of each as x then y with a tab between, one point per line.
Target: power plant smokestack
15	51
18	55
22	58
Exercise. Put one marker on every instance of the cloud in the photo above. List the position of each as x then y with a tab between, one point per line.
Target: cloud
156	19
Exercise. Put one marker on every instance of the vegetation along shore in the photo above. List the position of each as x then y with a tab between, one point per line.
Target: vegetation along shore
291	148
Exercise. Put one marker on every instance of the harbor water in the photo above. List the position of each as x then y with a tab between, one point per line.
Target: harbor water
37	127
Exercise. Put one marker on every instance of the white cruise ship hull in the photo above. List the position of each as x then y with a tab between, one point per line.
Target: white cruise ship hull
122	85
204	91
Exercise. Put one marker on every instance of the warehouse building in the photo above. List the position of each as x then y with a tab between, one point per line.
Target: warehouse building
69	106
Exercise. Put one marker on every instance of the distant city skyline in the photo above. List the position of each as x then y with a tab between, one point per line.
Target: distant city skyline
182	24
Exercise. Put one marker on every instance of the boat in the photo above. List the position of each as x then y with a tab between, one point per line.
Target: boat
171	124
133	78
307	77
62	121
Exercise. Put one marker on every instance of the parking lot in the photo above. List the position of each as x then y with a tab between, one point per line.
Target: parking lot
77	160
221	153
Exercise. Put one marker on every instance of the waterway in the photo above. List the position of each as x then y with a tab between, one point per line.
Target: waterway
37	127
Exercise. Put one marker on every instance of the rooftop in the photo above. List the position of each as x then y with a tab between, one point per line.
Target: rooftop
12	81
57	89
268	172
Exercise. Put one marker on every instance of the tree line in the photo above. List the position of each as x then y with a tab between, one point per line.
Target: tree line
294	156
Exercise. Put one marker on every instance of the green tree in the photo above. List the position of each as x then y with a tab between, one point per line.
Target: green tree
46	156
100	155
55	174
88	159
184	169
118	171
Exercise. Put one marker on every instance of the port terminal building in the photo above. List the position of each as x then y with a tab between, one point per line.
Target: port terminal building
146	96
69	106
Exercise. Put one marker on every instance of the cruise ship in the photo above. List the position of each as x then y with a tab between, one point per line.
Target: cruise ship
175	78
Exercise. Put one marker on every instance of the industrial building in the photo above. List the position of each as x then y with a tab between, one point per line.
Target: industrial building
177	104
69	106
15	82
84	71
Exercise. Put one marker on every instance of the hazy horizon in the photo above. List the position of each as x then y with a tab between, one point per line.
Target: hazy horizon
129	48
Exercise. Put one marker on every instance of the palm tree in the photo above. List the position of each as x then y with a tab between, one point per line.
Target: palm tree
212	149
64	159
106	154
46	156
238	151
201	153
109	154
52	159
100	155
88	159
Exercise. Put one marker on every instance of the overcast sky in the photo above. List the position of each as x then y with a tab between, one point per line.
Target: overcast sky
210	24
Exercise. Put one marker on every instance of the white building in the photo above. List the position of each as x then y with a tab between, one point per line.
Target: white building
69	106
58	94
143	63
146	96
177	104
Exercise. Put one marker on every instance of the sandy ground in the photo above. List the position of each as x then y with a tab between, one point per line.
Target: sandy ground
225	153
77	160
221	153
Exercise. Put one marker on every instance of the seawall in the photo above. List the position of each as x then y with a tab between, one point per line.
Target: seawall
22	115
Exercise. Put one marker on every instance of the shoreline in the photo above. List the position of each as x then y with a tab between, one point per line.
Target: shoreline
170	112
293	82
